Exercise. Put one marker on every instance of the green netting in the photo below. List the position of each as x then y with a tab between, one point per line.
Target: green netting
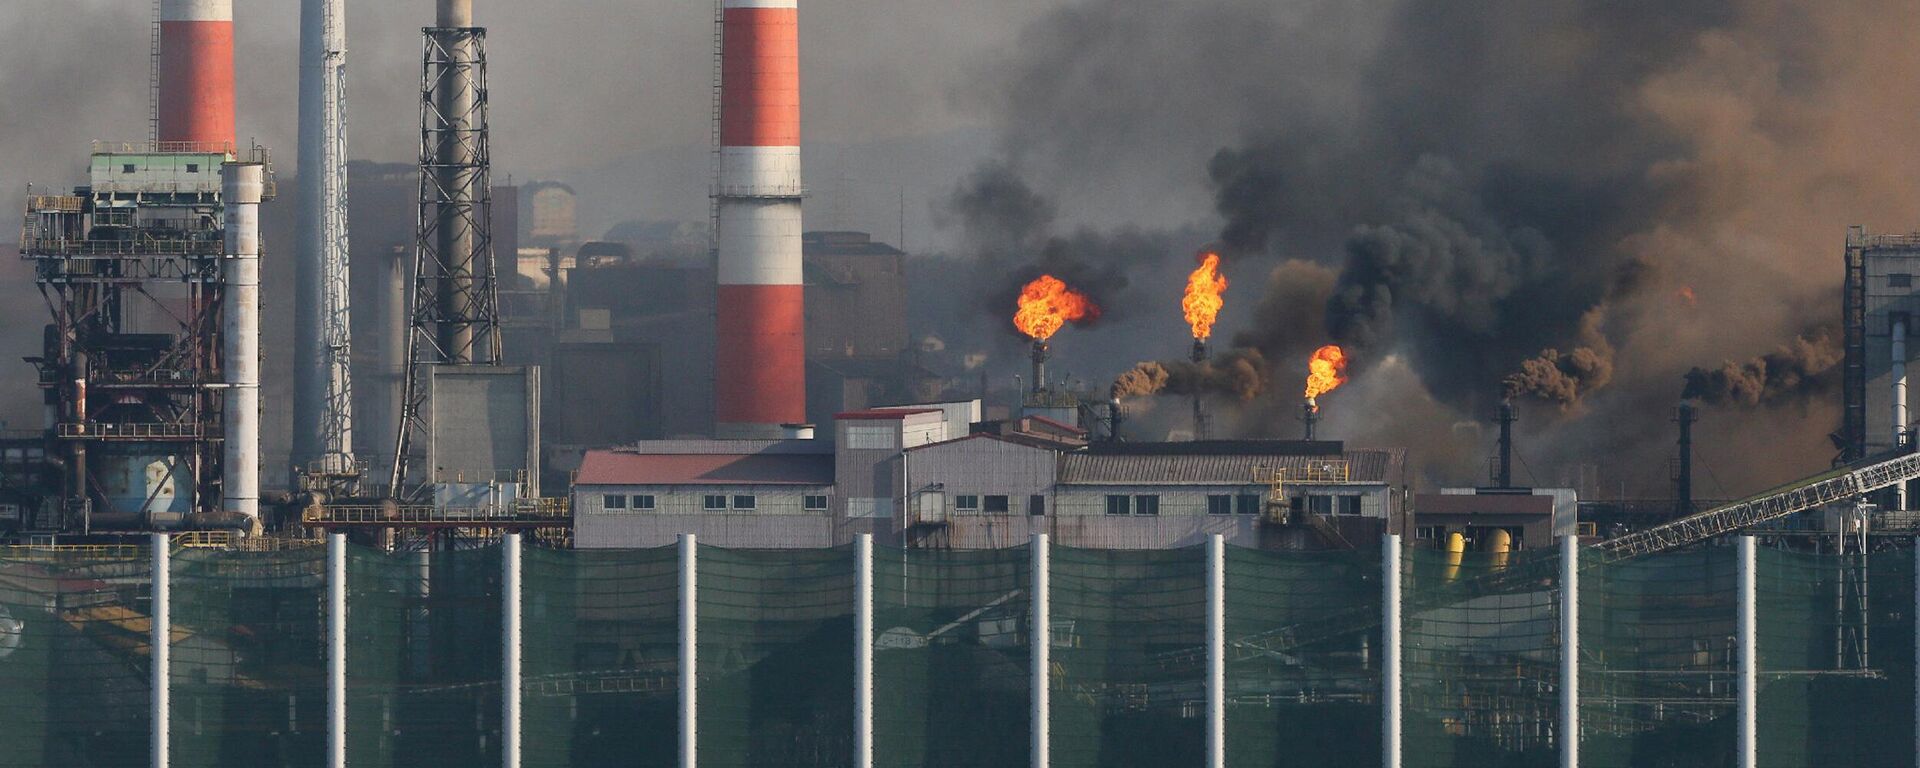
248	671
423	658
600	657
1129	657
1303	668
1481	658
1657	659
951	658
75	659
776	657
1835	639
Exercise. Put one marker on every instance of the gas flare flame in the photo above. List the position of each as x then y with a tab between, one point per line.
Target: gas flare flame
1203	300
1325	373
1046	304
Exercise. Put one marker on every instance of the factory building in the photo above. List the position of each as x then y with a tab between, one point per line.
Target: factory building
934	476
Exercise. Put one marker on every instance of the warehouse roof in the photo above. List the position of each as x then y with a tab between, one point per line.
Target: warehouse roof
1087	468
621	467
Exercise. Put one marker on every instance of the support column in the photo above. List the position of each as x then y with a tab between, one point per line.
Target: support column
1899	398
1390	650
161	655
1216	651
1916	649
689	651
510	593
1041	639
1570	652
1747	752
863	651
337	650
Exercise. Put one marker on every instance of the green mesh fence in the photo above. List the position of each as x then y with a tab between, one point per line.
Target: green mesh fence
600	657
1481	658
951	658
1303	667
1129	657
423	658
75	659
248	671
1658	659
776	657
1835	639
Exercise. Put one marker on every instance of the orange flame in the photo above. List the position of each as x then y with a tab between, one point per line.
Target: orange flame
1325	372
1203	300
1046	304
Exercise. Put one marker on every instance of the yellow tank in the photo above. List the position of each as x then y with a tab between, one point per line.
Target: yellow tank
1500	543
1456	548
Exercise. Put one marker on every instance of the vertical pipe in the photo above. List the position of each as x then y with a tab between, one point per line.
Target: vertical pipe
337	650
1899	401
1216	651
456	132
863	652
323	391
1041	639
1747	753
689	651
1683	490
244	185
1390	651
1916	647
1570	652
1504	478
161	643
510	651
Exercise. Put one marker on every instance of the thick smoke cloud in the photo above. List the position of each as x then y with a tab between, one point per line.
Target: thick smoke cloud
1573	201
1240	374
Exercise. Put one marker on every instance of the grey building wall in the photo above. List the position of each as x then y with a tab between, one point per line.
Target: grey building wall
1886	300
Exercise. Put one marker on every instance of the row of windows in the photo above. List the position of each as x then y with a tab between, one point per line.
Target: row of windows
712	501
1242	504
1143	504
1036	504
131	168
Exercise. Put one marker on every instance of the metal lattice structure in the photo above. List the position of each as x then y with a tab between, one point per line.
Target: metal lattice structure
1833	487
454	314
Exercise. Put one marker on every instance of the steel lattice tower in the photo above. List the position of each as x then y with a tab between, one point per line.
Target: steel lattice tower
323	388
454	315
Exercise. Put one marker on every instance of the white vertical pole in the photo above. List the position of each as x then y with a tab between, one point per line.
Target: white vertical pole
1390	651
1748	753
689	657
161	649
863	651
510	651
1916	648
1570	652
337	650
1899	398
1042	641
1216	651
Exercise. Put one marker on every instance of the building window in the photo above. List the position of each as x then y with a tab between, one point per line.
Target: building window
1247	504
1146	504
814	503
1320	504
966	503
128	168
1116	504
614	501
998	504
1349	505
1900	280
644	501
870	437
745	502
1219	504
1036	505
1430	532
713	501
193	167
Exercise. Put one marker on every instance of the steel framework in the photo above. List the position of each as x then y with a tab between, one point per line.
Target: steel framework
323	392
454	315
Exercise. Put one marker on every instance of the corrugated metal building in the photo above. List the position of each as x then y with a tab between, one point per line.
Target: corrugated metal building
925	476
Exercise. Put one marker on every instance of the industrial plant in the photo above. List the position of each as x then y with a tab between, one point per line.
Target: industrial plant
408	463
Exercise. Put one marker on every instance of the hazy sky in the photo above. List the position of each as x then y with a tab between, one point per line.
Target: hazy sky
576	84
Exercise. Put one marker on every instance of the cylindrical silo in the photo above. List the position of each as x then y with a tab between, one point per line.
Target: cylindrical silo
244	186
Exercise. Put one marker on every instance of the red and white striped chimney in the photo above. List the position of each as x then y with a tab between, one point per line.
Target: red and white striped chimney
760	365
196	73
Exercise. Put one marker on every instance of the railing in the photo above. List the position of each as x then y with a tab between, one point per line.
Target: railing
55	203
164	148
120	249
118	431
524	513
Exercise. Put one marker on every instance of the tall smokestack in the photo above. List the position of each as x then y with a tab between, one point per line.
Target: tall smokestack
323	388
1039	355
1202	426
196	74
1683	479
760	366
243	186
1309	420
1503	473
